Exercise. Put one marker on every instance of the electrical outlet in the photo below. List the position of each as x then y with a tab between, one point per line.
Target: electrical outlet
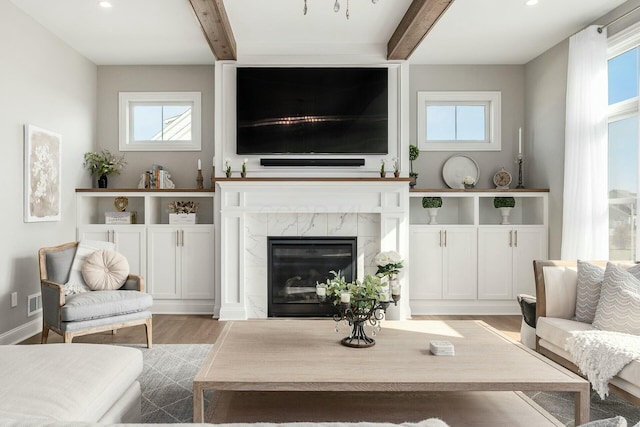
14	299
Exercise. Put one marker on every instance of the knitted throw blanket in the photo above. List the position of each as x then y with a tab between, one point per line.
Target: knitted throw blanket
600	355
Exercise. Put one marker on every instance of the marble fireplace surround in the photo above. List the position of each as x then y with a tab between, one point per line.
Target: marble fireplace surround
375	210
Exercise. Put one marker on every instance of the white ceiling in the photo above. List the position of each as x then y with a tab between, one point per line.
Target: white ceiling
167	32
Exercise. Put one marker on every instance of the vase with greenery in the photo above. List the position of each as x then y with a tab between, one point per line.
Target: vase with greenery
414	153
383	172
432	204
504	204
396	167
102	164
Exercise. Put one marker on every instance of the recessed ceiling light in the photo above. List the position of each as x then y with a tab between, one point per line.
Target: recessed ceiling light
107	4
531	2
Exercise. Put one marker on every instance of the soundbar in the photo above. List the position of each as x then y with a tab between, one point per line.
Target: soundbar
311	162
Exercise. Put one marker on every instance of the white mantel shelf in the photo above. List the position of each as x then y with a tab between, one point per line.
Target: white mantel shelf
312	179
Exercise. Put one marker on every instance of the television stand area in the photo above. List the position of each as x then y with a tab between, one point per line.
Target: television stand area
303	162
302	357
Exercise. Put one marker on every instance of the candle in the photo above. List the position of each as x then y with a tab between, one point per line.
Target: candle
395	290
519	140
199	165
321	291
213	162
345	297
384	297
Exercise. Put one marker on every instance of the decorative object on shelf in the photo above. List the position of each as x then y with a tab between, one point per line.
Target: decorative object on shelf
432	205
336	7
42	171
121	203
414	153
103	164
383	173
504	204
519	160
181	212
213	173
457	168
358	303
502	179
469	182
227	168
243	170
120	217
199	177
396	167
157	177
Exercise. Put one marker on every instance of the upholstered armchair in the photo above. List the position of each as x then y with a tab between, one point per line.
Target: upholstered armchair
87	312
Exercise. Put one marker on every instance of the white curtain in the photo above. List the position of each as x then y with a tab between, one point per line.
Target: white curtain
585	222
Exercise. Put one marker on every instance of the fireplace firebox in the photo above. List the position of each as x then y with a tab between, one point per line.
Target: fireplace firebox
296	264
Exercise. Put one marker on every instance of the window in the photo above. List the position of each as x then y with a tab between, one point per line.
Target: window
624	173
464	121
159	121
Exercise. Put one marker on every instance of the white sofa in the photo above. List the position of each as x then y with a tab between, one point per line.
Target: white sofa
69	382
556	290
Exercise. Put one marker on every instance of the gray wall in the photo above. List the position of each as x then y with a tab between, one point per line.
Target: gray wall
156	78
509	79
45	83
545	94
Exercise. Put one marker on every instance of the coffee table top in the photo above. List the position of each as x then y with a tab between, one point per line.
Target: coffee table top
306	355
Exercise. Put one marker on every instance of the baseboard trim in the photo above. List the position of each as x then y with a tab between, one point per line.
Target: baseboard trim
22	332
182	307
462	307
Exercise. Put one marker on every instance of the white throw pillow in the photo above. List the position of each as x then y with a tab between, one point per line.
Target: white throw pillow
589	286
105	270
76	283
619	303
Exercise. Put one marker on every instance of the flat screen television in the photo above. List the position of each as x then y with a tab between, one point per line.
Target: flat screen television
312	110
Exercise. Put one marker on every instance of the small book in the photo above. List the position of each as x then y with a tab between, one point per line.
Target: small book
441	348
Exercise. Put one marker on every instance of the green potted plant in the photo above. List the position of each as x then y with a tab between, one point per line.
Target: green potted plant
414	153
432	204
504	204
396	167
103	164
383	173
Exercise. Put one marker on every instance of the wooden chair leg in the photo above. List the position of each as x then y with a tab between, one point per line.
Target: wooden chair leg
149	328
67	337
45	334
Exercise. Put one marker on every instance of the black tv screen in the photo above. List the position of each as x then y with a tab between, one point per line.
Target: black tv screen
312	110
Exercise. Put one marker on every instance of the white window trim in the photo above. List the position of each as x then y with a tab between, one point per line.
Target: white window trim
127	99
492	98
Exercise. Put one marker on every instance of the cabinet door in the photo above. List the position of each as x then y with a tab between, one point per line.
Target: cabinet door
162	262
529	243
495	263
197	262
425	258
130	242
95	232
460	263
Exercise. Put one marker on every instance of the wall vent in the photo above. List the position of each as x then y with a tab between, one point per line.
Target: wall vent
34	304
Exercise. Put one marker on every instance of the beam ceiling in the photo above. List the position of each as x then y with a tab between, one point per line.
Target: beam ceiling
215	25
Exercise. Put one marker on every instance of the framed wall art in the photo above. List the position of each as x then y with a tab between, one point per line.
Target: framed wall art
42	183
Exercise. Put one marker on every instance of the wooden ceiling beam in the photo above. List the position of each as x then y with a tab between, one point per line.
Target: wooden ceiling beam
216	28
420	18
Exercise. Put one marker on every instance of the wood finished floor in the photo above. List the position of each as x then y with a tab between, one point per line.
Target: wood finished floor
202	329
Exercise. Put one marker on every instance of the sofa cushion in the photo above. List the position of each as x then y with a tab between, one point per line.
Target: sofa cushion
63	382
105	270
97	304
619	302
560	290
76	283
589	284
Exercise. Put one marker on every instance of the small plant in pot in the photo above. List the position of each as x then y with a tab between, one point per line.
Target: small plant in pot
432	204
103	164
183	212
504	204
414	153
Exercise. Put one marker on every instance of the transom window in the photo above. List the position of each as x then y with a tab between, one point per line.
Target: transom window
160	121
468	121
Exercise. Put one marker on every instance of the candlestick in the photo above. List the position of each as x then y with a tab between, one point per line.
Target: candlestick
199	165
213	162
520	141
200	180
520	179
213	177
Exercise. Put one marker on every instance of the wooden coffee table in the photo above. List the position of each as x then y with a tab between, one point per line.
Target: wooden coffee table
306	356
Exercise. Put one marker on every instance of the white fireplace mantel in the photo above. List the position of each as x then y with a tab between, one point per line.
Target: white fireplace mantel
246	207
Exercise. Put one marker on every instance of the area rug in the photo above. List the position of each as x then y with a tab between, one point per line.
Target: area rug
169	370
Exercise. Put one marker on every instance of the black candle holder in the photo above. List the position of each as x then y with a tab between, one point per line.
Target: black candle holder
358	312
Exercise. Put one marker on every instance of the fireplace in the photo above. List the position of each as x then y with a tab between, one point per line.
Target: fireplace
296	264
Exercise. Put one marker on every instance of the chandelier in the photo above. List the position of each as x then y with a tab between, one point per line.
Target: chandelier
336	7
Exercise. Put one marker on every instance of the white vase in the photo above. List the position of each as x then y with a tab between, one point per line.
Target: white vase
505	212
433	215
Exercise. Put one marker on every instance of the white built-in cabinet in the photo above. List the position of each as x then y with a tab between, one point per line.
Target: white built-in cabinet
176	261
470	263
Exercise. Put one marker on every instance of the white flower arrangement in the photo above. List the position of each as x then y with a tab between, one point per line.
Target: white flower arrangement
389	263
469	180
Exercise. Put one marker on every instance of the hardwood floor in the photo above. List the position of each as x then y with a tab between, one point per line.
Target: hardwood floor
202	329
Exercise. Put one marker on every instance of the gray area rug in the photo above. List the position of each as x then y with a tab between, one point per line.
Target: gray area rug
169	370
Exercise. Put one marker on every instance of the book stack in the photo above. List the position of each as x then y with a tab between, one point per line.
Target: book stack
441	348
